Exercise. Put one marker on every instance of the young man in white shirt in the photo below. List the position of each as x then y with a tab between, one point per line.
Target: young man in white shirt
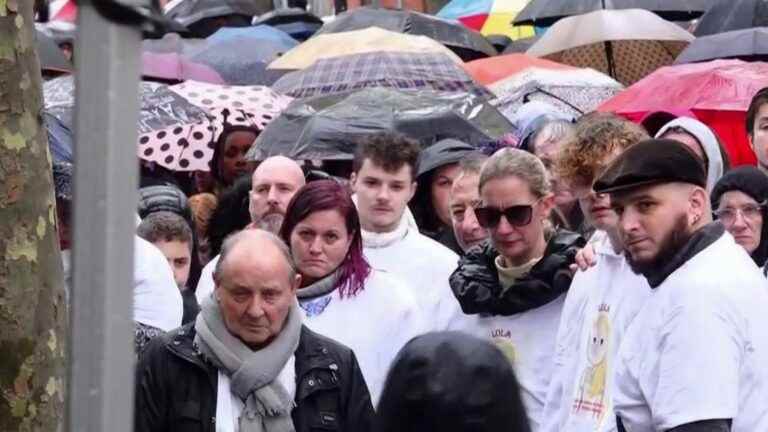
384	180
602	300
693	359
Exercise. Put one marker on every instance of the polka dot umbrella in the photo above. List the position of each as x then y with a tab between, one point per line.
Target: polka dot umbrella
189	147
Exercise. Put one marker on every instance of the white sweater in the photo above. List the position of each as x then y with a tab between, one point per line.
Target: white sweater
600	304
156	298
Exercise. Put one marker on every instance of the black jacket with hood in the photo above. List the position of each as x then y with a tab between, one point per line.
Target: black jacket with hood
475	283
176	388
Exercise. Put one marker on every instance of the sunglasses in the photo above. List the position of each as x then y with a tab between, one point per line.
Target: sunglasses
518	215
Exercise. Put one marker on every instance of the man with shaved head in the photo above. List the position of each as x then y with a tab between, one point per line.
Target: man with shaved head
248	363
273	184
693	358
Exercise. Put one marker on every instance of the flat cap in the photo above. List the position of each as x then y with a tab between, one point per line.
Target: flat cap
652	161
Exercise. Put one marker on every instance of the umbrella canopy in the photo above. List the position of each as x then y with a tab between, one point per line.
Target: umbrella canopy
465	42
490	70
544	13
574	91
369	40
296	22
179	124
256	33
176	68
328	127
402	71
729	15
489	17
749	45
717	92
173	43
625	44
63	10
188	12
52	59
521	45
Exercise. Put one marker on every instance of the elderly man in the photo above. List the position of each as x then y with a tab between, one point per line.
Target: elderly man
465	196
693	359
273	184
248	364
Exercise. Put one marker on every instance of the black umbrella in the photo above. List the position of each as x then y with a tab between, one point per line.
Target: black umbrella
52	59
729	15
544	13
234	13
328	127
298	23
521	45
465	42
748	45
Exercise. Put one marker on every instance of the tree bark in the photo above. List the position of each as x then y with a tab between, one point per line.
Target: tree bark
32	300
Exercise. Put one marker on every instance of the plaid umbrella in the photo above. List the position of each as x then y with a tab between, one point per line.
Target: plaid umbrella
573	92
386	69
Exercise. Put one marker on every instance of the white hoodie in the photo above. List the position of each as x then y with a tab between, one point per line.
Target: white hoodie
424	264
600	304
156	298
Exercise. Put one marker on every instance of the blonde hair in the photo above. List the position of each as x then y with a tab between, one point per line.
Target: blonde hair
511	162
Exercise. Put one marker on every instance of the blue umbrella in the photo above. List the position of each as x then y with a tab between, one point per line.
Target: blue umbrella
259	32
59	138
297	22
242	61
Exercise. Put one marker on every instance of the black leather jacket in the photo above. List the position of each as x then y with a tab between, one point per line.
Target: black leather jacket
475	283
176	388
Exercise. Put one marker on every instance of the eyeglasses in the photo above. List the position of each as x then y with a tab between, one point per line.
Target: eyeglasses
750	212
518	215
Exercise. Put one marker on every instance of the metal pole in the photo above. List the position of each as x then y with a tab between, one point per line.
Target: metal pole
101	354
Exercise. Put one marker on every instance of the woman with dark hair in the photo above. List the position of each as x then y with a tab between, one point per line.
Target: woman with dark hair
341	295
231	214
438	168
739	201
228	162
451	382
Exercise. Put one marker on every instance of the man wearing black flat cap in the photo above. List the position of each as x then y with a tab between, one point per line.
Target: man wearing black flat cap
693	359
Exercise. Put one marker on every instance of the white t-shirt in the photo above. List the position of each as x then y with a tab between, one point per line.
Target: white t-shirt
375	324
229	409
156	298
698	349
528	340
423	264
599	307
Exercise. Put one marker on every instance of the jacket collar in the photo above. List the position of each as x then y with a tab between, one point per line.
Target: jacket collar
700	240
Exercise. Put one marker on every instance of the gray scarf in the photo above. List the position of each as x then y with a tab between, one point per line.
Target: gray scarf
253	374
320	288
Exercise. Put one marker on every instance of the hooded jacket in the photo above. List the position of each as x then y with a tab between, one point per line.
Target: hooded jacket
753	182
476	282
451	382
709	143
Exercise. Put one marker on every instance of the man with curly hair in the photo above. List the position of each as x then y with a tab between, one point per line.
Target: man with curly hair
603	299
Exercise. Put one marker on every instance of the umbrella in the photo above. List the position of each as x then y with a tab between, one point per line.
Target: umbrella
717	92
544	13
489	17
487	71
174	67
173	43
60	139
521	45
243	60
195	14
465	42
256	33
296	22
386	69
572	91
63	10
328	127
729	15
52	59
749	45
189	146
369	40
626	44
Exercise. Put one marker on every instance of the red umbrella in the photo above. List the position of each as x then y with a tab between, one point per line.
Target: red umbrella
492	69
717	93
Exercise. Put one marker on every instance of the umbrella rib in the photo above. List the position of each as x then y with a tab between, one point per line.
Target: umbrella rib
552	95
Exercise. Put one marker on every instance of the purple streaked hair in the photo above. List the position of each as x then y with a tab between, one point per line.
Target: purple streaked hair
324	195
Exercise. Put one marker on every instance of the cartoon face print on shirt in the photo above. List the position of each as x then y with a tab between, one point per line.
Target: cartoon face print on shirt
590	396
502	339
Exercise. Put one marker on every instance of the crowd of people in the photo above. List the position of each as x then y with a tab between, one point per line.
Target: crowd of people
601	276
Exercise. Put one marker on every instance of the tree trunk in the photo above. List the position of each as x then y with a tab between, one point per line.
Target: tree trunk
32	299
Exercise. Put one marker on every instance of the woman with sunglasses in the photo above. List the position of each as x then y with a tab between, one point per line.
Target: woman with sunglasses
739	200
514	286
